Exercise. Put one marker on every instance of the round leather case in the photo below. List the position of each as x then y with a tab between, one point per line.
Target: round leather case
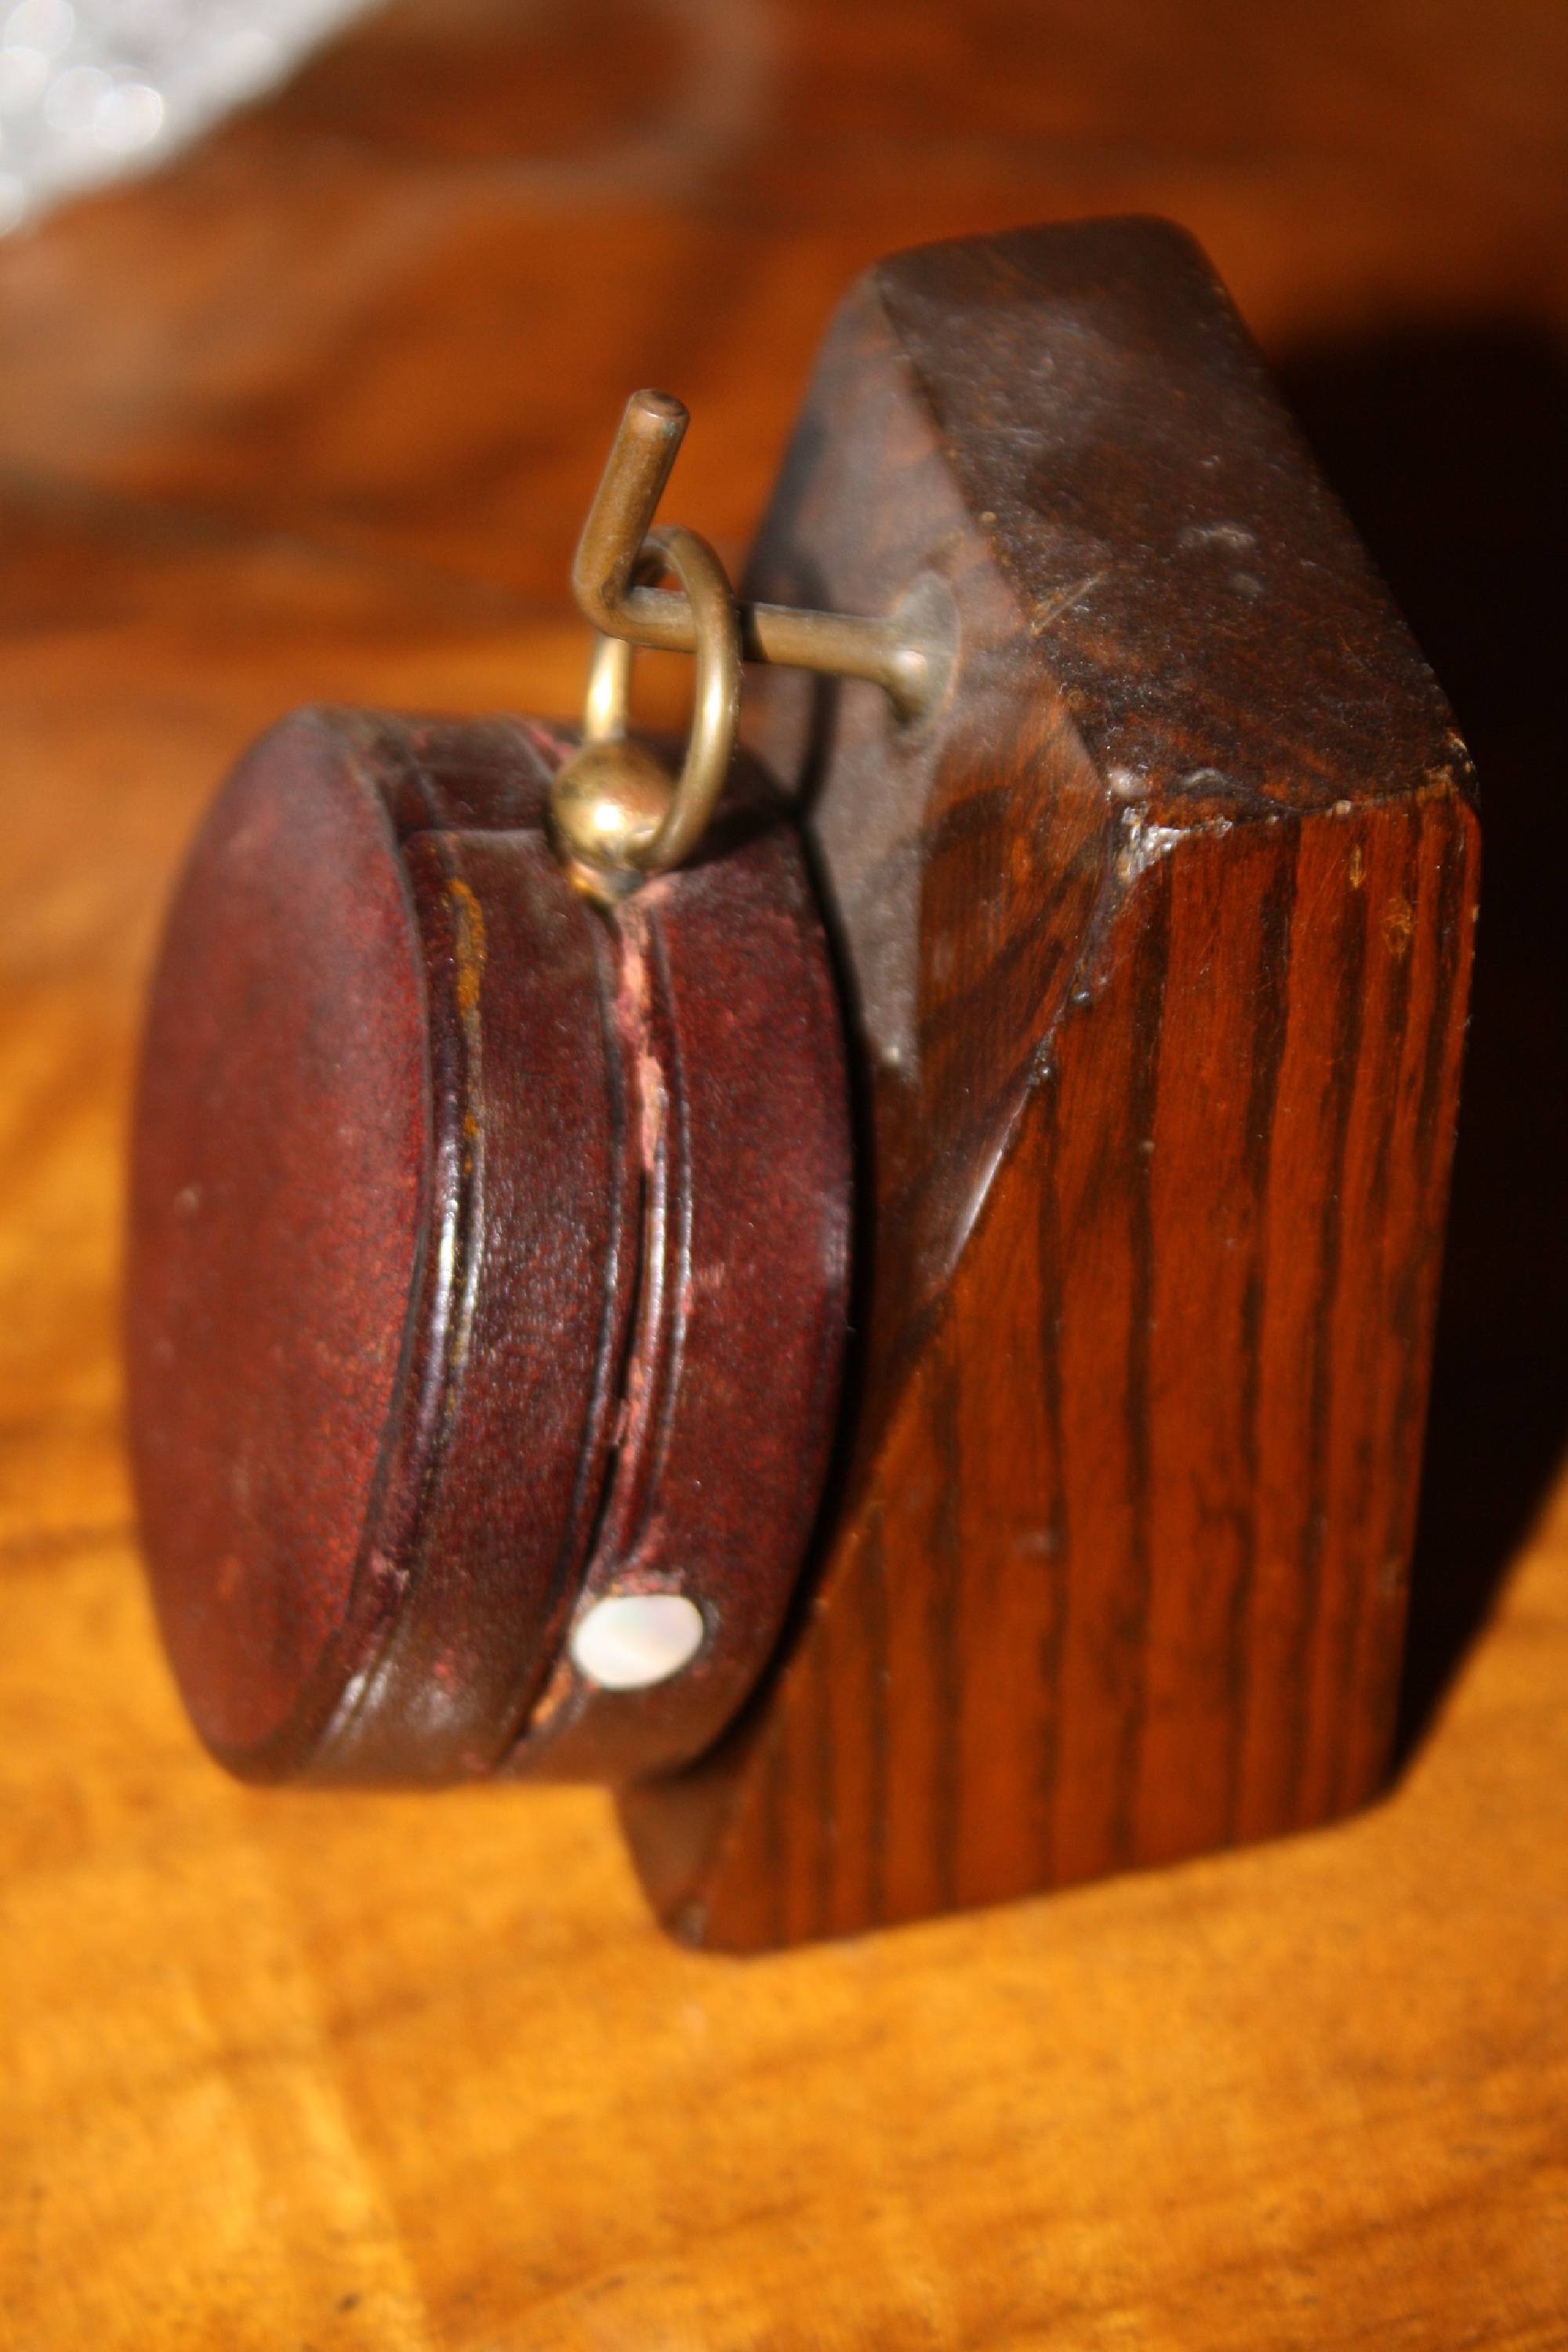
488	1265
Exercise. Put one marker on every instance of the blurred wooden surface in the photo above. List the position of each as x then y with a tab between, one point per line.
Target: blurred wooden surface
315	415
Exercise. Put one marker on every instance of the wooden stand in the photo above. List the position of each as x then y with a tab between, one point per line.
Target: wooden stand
1153	934
1158	938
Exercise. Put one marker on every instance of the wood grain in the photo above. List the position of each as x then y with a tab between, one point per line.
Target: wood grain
1158	937
313	417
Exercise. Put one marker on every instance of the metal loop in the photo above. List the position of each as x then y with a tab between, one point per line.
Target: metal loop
615	817
717	692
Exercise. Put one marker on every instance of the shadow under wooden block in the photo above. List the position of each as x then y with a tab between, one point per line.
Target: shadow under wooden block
1156	941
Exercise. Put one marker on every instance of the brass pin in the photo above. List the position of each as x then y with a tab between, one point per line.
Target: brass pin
615	822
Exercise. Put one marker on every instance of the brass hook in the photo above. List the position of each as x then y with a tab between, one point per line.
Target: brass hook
617	816
602	580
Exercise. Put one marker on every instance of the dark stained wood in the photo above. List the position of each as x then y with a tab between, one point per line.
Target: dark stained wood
1159	935
487	1256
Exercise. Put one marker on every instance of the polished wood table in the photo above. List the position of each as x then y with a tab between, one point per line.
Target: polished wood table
314	416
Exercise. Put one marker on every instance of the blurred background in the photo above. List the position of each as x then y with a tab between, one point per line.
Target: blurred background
312	410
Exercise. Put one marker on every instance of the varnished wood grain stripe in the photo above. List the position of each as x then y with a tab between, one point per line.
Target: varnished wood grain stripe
1271	999
943	1616
1443	949
1376	1189
1392	1188
839	1635
1152	970
765	1891
1349	961
876	1607
1053	1644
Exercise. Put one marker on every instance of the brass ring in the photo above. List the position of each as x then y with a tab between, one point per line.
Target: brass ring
716	701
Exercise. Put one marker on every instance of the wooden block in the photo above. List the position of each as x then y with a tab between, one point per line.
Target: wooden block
1157	936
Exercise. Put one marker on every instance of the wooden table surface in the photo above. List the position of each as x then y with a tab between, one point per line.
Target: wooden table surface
315	415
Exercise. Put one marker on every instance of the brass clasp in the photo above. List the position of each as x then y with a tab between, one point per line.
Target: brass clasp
618	818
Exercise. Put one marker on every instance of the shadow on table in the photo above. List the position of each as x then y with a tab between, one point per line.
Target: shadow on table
1450	449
